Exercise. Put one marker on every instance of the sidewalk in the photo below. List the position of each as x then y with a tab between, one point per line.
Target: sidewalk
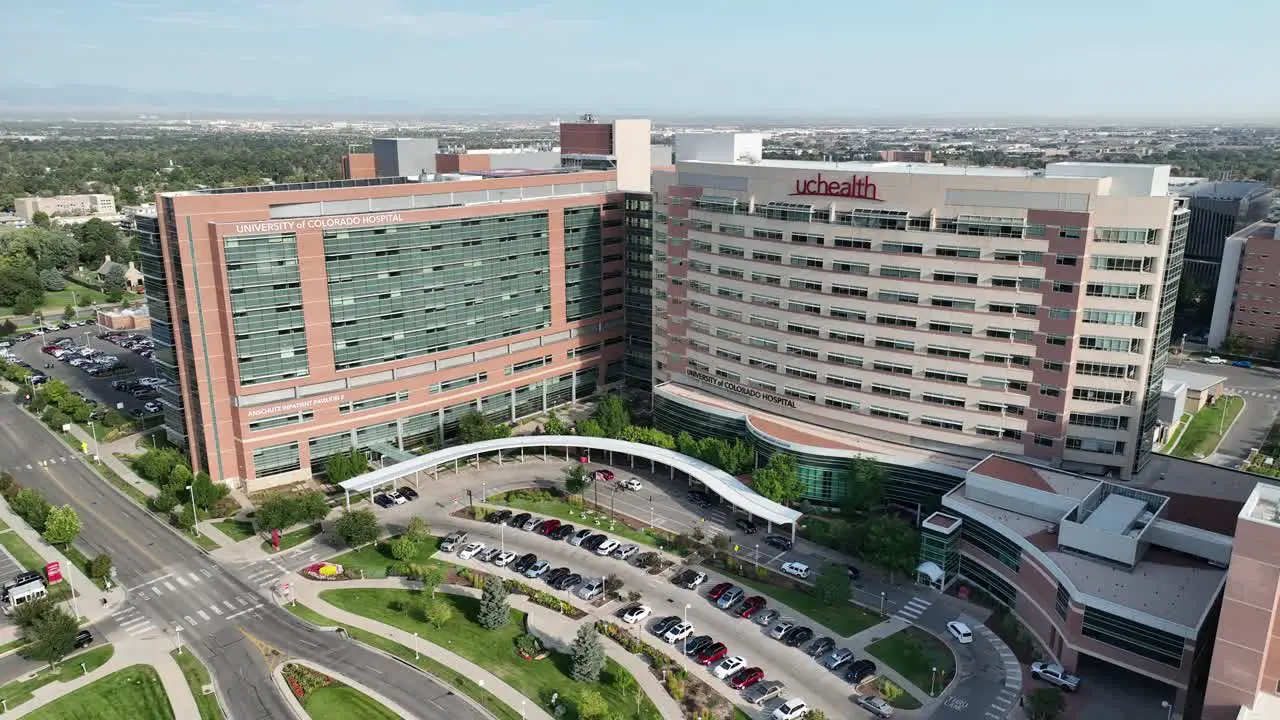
106	454
140	652
308	593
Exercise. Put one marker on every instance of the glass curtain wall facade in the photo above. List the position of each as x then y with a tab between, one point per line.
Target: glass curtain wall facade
154	281
266	307
638	292
1164	333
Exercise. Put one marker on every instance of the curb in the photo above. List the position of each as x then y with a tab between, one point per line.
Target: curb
296	705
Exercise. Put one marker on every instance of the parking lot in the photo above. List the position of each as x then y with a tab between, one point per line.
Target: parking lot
131	365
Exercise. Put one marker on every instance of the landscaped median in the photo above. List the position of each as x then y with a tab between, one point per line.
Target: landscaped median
1205	431
459	631
20	691
920	658
197	679
134	693
324	698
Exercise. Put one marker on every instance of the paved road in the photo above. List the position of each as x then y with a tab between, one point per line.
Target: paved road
230	622
1260	388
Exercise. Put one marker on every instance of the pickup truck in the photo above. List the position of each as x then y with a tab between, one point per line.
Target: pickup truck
1055	674
452	541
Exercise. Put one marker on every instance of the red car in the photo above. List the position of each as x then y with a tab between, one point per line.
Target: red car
744	679
719	590
712	653
548	526
605	475
48	349
751	606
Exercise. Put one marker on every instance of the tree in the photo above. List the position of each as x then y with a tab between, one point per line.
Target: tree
31	506
29	612
864	486
495	611
437	612
98	239
588	655
686	445
113	282
1235	344
778	479
554	425
40	219
52	636
52	280
207	492
277	512
1046	703
429	575
61	525
590	428
403	548
311	507
179	477
19	277
475	427
343	466
164	502
575	479
357	527
892	544
186	517
100	567
68	312
613	415
27	301
648	436
417	530
592	705
7	328
832	585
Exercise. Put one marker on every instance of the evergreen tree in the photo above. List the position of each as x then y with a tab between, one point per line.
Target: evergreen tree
494	610
588	655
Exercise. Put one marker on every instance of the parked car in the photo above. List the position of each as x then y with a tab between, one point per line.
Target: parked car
593	542
746	678
662	626
837	658
694	645
498	516
751	606
765	617
859	671
154	407
581	536
778	541
681	631
960	632
563	532
781	629
746	526
569	582
636	613
553	577
519	520
691	579
408	493
396	497
84	639
798	569
797	636
625	552
606	547
537	569
729	666
630	484
1055	674
729	598
488	555
470	550
763	692
1243	363
712	653
874	704
1215	360
381	499
854	573
592	589
529	523
525	562
792	709
718	590
604	475
819	647
549	526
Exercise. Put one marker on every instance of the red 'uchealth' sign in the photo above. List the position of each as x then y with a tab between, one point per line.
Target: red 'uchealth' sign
856	188
53	572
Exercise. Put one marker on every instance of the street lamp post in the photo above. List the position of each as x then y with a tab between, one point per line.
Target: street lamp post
195	519
415	646
1168	706
685	621
933	680
650	511
882	601
502	536
75	604
93	430
757	555
484	492
177	635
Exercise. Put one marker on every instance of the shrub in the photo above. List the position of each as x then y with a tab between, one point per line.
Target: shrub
528	645
403	548
164	502
100	567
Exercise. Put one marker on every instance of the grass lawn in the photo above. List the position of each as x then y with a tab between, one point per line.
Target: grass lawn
55	302
571	514
4	525
1205	430
197	677
375	560
12	645
848	620
236	529
446	674
295	538
494	650
21	551
74	555
134	693
19	692
914	653
343	702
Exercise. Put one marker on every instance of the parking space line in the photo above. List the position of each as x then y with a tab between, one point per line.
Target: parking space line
157	590
169	586
181	581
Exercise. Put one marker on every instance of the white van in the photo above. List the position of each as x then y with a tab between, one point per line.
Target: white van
24	593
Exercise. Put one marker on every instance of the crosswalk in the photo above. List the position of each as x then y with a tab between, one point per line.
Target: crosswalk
912	610
1262	394
180	600
47	462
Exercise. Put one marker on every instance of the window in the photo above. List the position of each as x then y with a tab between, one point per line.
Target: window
839	403
1105	422
1007	256
949	302
1112	397
802	329
727	292
939	399
844	382
281	421
895	296
806	261
854	268
761	385
761	321
958	278
891	391
766	279
846	314
807	239
849	290
1121	264
1106	370
809	285
963	252
699	265
895	321
888	413
899	272
1004	282
855	338
941	423
844	359
799	394
728	354
765	343
948	352
1059	313
899	247
891	344
1110	344
1046	416
802	351
1163	647
949	327
1068	231
1052	365
766	256
528	365
944	376
1131	236
762	363
1124	292
1043	441
1111	317
451	385
1062	601
1066	260
729	272
729	314
766	300
728	229
801	373
1058	340
762	234
1063	287
894	368
848	242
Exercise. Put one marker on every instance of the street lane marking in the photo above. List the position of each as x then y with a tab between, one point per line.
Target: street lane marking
169	586
228	604
242	601
234	615
181	581
134	621
189	620
194	577
206	572
141	629
203	615
156	580
157	590
216	610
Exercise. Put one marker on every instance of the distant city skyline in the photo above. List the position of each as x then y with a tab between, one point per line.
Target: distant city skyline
1138	60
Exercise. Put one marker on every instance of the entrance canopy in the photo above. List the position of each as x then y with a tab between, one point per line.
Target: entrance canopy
931	571
729	488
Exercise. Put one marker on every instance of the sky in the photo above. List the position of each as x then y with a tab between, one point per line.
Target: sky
1148	59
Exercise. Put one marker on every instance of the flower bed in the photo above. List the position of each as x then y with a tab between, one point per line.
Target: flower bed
324	571
529	648
302	679
695	696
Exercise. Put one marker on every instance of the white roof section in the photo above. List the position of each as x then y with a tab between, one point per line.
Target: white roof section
718	481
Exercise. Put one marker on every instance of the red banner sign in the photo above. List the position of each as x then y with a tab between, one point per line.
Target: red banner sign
275	539
856	188
53	572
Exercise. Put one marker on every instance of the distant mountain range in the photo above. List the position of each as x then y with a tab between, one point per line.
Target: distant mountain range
109	100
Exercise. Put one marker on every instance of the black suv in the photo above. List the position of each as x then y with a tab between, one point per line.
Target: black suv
84	639
519	520
797	636
746	526
498	516
563	532
381	500
525	562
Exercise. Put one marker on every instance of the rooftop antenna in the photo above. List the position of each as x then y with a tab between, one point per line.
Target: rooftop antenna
588	118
